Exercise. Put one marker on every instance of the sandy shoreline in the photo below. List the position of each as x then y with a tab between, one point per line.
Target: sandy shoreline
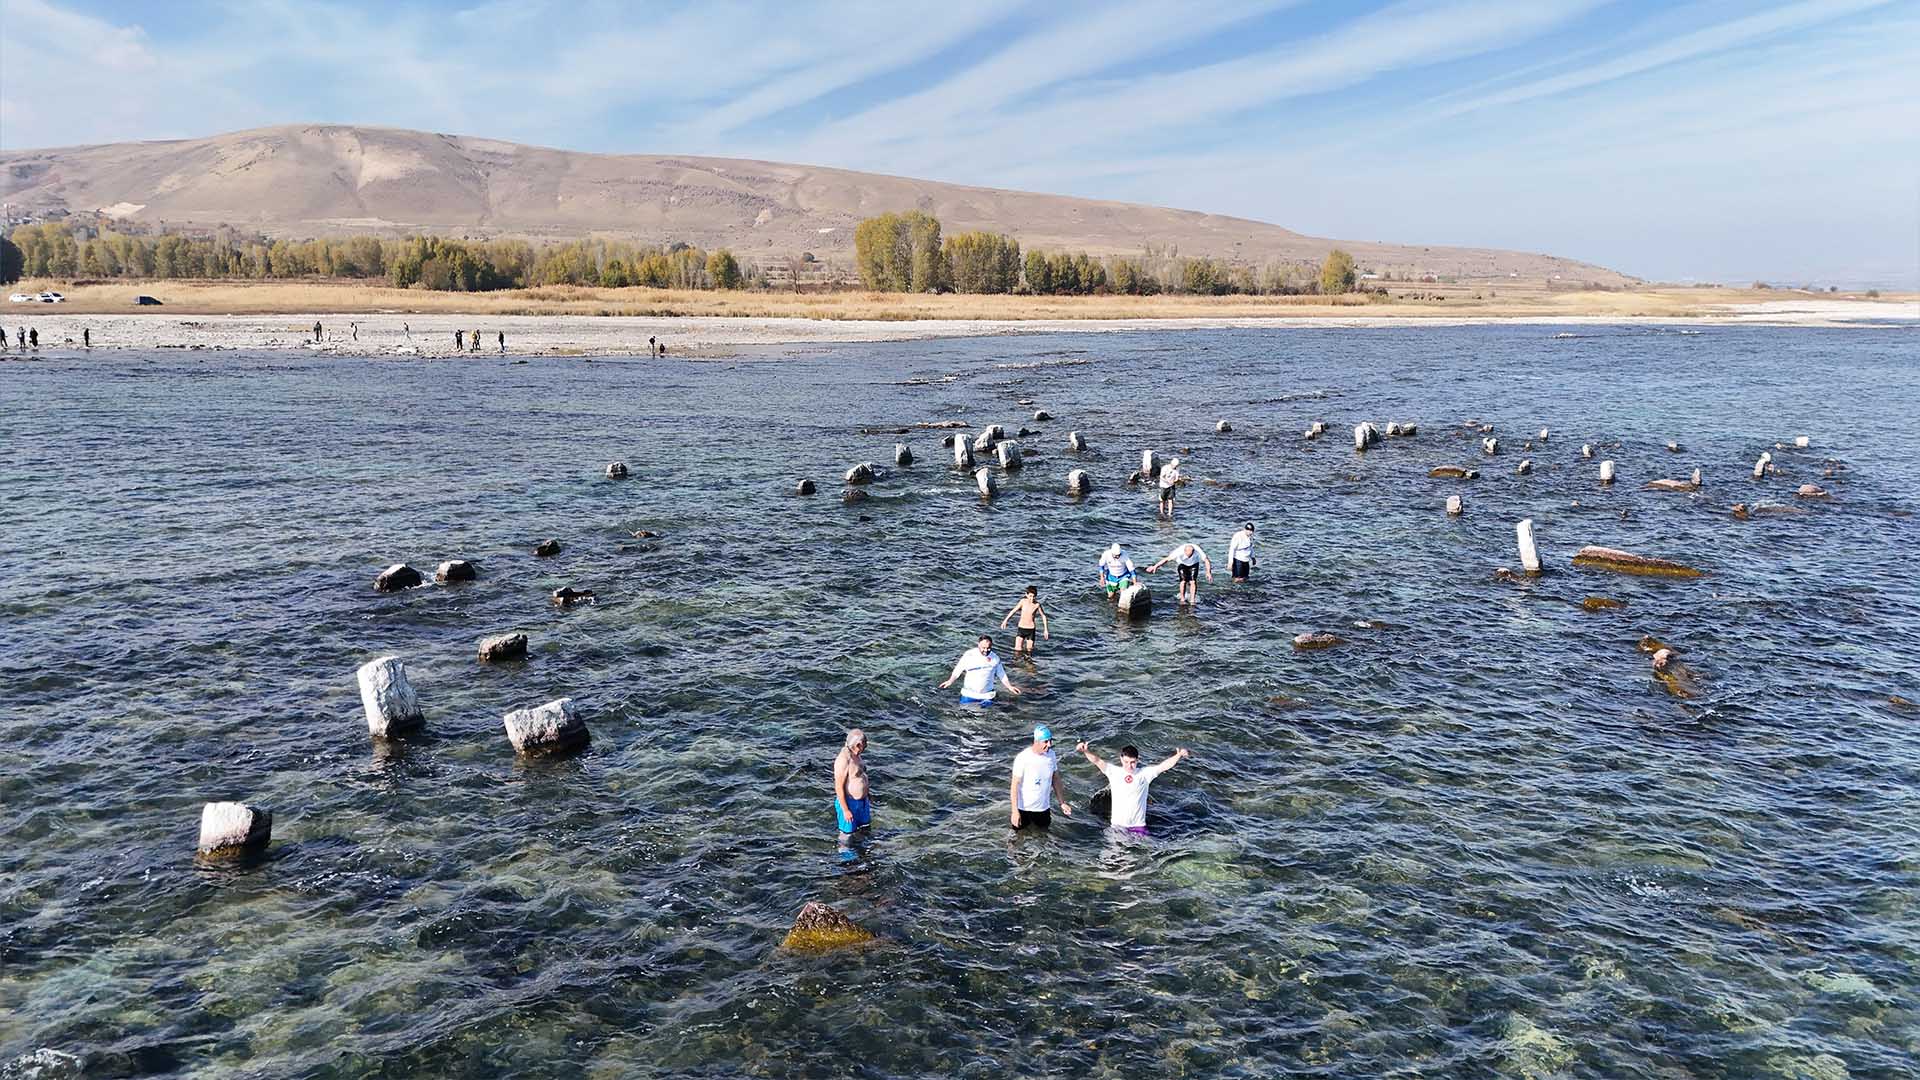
623	335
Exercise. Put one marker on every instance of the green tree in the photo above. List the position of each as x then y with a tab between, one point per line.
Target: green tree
12	262
724	269
1336	273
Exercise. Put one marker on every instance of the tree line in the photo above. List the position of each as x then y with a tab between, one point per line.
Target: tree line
904	252
75	250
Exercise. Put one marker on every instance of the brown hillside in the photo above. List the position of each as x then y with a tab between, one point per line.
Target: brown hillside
311	180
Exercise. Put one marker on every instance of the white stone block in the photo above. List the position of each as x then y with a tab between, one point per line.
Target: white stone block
546	729
391	706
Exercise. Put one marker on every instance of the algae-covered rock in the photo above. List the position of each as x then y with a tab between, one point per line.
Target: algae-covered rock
1528	1050
1318	639
1602	603
819	928
1452	472
1606	558
1841	984
1649	644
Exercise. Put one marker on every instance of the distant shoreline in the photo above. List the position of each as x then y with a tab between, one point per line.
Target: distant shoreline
612	323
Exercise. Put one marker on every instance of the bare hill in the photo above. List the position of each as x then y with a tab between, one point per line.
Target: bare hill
313	180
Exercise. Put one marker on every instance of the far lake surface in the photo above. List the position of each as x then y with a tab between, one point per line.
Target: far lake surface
1477	840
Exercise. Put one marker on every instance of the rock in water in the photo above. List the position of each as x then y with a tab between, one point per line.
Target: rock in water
1606	472
616	470
1454	506
804	487
1670	485
1529	555
1649	644
1135	602
983	479
1318	639
1223	427
861	473
1543	434
1601	603
1523	468
391	706
1673	447
1365	435
854	495
1075	442
1490	444
501	647
1452	472
234	828
1008	454
567	596
396	577
1041	415
1586	450
1764	465
962	453
819	928
1802	441
1149	464
1607	558
902	455
1078	482
546	729
1811	491
547	548
455	570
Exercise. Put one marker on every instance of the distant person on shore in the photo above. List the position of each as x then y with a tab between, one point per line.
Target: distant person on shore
3	337
1116	571
316	330
981	670
473	341
852	809
354	329
459	341
1169	482
407	330
1128	783
34	336
1036	784
1189	560
503	343
1240	558
1028	609
663	348
86	337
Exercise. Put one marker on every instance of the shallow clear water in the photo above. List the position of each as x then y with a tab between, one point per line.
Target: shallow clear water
1478	841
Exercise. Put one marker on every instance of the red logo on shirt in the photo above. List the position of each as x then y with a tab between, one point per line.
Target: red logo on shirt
1128	779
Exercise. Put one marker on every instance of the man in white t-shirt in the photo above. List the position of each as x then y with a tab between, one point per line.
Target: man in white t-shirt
1169	483
1036	783
981	669
1128	783
1116	571
1240	553
1189	560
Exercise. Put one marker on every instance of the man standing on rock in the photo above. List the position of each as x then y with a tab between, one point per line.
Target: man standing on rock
1128	783
1189	560
1036	784
1240	553
851	809
982	669
1116	571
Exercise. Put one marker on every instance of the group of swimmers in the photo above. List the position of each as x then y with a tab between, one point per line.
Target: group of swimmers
1035	784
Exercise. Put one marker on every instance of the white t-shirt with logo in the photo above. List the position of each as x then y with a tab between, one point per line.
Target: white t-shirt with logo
1035	772
1240	548
1130	794
980	674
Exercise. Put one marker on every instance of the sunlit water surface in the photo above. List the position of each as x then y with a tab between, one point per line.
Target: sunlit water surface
1478	841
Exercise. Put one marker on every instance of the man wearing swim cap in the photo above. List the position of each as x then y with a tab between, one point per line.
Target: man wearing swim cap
1116	571
1036	784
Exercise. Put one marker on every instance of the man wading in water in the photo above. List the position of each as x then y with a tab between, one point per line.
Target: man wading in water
1169	483
1028	607
1036	784
851	809
1188	559
982	669
1128	782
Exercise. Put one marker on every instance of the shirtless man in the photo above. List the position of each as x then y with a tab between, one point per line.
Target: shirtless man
1189	559
1028	607
852	810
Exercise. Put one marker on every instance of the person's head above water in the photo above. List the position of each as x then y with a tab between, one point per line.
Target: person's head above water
856	740
986	643
1042	736
1249	526
1129	757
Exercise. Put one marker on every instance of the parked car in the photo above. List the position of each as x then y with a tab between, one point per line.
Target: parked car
146	301
51	297
23	298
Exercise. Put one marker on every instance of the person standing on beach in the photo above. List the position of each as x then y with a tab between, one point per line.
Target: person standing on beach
981	670
459	340
1028	608
3	337
1169	481
1036	784
1128	783
1189	560
852	809
503	343
34	336
1240	558
354	329
86	337
316	330
473	340
1116	571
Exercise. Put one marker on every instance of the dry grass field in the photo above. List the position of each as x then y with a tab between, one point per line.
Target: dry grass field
1428	301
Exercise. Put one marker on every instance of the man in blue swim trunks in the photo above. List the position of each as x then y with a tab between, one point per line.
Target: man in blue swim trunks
1116	571
982	669
851	808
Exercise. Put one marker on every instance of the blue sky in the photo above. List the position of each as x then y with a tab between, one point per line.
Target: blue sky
1710	140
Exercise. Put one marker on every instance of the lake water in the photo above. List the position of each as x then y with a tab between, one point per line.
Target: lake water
1480	840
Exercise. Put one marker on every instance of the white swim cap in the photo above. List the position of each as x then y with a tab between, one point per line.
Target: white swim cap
1113	552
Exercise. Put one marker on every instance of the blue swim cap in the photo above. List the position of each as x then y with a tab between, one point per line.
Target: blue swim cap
1043	733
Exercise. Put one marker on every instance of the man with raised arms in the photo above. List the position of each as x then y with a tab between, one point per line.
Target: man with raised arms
981	670
1128	783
